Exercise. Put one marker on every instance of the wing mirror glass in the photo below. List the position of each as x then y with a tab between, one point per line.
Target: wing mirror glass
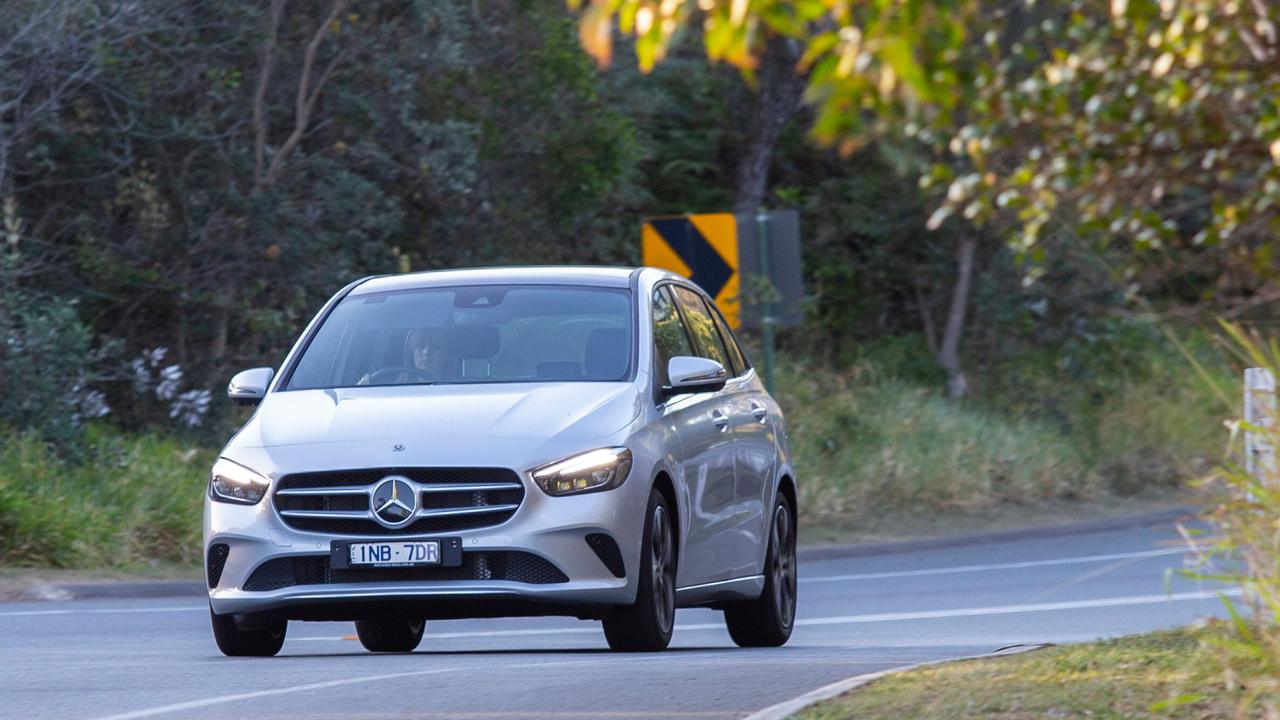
694	375
248	387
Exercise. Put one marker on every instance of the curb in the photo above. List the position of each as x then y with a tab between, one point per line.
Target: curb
108	590
1082	528
787	708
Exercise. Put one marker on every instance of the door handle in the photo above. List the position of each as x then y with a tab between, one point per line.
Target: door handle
759	411
720	420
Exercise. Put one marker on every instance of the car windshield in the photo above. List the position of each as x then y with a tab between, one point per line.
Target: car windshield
473	334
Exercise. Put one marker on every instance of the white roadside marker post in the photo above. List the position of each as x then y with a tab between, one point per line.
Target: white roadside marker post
1260	412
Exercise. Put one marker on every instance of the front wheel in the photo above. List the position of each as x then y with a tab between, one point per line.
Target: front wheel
646	625
390	634
262	638
767	621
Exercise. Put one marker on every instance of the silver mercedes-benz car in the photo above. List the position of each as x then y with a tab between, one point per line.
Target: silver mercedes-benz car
589	442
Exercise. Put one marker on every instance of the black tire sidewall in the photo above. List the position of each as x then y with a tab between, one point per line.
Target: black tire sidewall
636	627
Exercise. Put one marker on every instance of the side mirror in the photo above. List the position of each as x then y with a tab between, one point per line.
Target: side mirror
248	387
694	375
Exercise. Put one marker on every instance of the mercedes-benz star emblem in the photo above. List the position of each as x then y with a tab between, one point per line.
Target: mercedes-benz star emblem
394	501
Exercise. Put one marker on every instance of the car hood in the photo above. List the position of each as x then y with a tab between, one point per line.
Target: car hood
433	424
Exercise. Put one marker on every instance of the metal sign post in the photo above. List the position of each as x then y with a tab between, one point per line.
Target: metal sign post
1260	413
766	305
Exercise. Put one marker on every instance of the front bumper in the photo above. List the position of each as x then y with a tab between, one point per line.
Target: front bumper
553	530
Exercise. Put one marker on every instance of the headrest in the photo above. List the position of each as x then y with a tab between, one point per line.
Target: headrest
606	354
474	341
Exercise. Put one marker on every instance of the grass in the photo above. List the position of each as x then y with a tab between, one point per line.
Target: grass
1172	674
873	439
128	501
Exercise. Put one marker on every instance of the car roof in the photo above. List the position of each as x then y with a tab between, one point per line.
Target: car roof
618	277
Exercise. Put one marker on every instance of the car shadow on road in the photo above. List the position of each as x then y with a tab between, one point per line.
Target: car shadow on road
512	651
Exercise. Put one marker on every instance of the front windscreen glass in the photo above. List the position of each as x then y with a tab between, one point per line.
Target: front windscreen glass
475	334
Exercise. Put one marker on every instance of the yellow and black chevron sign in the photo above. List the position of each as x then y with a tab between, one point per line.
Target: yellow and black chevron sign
703	248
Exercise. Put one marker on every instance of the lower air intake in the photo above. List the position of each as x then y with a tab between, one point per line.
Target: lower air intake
216	561
606	548
511	566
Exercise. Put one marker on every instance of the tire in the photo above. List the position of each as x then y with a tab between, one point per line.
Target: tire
392	635
646	625
259	640
768	620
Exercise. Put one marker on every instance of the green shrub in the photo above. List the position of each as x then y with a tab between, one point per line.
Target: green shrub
125	500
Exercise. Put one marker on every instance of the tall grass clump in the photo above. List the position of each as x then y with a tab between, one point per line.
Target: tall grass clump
1129	416
863	444
1139	401
1247	551
123	500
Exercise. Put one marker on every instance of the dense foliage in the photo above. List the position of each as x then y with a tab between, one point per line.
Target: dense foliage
199	176
1144	129
184	183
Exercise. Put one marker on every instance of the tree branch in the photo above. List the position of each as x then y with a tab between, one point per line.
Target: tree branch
260	93
306	96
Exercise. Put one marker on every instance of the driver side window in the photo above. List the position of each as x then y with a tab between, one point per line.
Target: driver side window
669	335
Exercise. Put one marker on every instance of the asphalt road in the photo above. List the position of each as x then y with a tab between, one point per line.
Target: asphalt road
156	658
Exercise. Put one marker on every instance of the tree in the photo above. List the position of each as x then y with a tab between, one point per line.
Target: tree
202	175
1146	130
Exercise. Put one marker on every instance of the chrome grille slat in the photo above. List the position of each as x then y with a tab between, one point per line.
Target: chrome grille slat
448	512
329	514
325	491
468	487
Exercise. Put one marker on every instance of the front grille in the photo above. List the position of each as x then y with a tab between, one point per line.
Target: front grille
451	499
216	562
521	567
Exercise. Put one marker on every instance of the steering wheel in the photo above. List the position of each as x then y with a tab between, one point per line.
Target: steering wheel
383	375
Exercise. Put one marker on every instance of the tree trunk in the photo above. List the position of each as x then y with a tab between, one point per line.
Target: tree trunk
949	352
776	102
222	322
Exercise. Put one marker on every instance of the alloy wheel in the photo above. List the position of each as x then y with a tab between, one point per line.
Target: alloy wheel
784	566
662	558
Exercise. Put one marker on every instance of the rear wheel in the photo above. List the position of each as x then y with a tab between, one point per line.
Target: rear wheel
259	637
767	621
390	634
646	626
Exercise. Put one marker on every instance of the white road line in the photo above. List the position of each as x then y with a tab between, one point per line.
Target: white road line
996	566
1033	607
882	617
222	699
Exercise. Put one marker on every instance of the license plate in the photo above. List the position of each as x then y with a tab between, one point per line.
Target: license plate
395	553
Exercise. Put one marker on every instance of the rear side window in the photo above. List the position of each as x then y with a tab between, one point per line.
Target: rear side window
706	339
739	358
669	336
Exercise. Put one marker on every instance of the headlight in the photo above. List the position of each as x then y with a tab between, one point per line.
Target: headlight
602	469
229	482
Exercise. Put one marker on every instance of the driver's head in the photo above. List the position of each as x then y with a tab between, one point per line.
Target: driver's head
426	351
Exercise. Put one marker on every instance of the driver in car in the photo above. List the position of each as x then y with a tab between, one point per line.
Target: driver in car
425	352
